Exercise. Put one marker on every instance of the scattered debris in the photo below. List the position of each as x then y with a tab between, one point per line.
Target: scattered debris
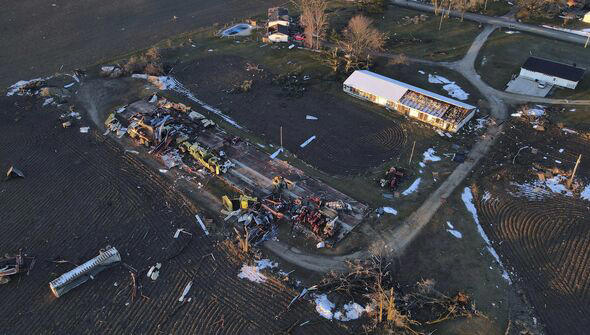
14	173
185	291
252	272
392	178
84	129
154	271
202	224
82	273
310	117
276	153
10	266
304	144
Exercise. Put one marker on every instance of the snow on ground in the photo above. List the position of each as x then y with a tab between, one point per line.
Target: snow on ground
328	310
252	272
413	188
539	189
586	193
12	90
429	156
510	32
454	231
535	111
451	87
324	306
352	311
467	198
389	210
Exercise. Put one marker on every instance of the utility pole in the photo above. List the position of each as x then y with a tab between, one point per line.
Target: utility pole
281	137
412	154
569	182
587	40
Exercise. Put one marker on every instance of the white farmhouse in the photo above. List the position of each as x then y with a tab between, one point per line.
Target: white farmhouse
550	72
437	110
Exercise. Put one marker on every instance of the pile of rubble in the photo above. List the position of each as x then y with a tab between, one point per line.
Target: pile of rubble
392	178
260	217
169	129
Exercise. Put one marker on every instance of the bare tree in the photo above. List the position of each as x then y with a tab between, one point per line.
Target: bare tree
360	39
314	20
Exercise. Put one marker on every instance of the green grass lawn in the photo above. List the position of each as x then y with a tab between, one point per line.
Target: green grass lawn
503	54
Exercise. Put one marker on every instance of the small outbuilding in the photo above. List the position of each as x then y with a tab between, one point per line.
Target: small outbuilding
551	72
278	33
437	110
278	16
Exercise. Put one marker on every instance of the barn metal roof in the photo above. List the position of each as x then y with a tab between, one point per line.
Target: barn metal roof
392	89
553	69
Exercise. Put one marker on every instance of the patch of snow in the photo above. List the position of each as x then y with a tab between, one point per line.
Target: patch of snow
421	72
586	193
304	144
451	87
429	156
276	153
450	225
538	189
352	311
467	198
69	85
252	272
512	32
455	233
412	187
560	151
12	90
389	210
163	170
310	117
84	129
557	161
324	306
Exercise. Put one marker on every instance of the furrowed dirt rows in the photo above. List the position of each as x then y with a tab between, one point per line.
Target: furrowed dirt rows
548	244
541	230
83	192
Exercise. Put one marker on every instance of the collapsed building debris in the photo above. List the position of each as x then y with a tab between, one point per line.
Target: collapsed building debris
10	266
169	129
82	273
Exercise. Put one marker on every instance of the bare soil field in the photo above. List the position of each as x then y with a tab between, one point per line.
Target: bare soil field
541	230
81	192
40	38
348	137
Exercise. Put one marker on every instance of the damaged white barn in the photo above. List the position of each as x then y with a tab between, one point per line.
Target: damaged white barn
434	109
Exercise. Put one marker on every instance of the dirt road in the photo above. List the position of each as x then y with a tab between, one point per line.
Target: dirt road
40	37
